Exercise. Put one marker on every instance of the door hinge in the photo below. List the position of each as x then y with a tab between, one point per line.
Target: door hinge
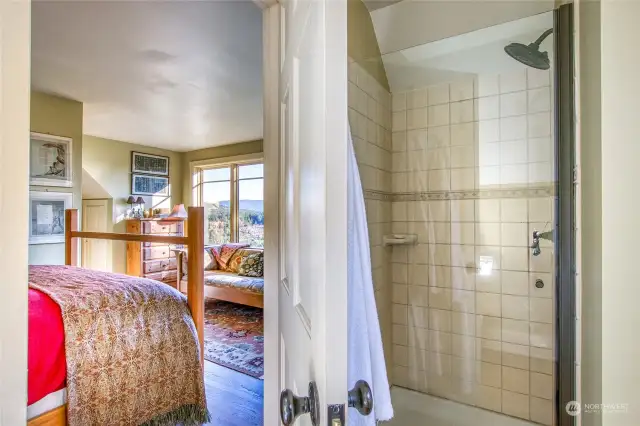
335	415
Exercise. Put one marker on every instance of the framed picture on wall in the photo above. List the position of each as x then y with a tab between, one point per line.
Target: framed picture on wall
46	216
149	164
150	185
50	161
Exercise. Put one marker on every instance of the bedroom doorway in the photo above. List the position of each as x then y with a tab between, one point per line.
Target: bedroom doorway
96	254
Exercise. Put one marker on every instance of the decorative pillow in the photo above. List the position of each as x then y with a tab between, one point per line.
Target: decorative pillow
225	252
210	262
252	265
237	258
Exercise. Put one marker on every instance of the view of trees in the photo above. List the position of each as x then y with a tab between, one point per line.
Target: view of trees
250	222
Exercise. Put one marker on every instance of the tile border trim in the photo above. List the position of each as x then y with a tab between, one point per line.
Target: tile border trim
473	194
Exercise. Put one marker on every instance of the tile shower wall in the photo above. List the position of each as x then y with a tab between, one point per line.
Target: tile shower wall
370	121
472	178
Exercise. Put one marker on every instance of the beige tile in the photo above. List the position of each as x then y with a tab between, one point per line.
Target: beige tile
461	112
462	156
418	274
418	295
399	314
398	102
400	334
418	254
399	254
440	232
400	376
416	119
463	346
489	283
514	175
463	391
543	262
462	255
514	404
418	316
463	278
488	304
488	211
418	359
463	179
439	180
516	380
440	254
463	323
515	258
513	128
515	234
487	85
438	137
463	368
462	134
540	151
541	310
416	139
513	81
548	287
400	355
488	398
399	211
540	209
542	360
516	356
440	342
439	298
439	364
539	125
398	142
488	107
542	385
438	159
537	78
515	282
489	177
488	327
515	307
416	99
541	410
399	294
488	234
462	233
438	94
438	115
486	255
489	374
542	335
515	331
462	211
399	121
440	320
514	210
418	338
462	301
440	276
513	104
488	351
419	380
461	90
439	384
489	154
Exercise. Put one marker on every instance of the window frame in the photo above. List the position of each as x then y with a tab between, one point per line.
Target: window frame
233	163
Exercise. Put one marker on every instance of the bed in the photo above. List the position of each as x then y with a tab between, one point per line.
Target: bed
96	339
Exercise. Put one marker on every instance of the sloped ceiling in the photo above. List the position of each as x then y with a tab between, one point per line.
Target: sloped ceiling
180	75
91	189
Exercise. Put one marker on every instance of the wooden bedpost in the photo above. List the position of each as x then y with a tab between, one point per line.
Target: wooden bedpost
70	244
195	271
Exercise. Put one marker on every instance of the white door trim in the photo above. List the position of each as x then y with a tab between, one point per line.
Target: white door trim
15	88
271	144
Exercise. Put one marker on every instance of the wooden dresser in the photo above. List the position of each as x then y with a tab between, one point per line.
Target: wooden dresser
152	260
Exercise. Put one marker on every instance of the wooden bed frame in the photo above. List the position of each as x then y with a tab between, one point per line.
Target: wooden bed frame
195	291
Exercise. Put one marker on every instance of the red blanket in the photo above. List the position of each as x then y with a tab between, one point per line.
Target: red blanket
47	362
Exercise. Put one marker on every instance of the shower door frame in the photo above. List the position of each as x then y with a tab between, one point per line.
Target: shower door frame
565	212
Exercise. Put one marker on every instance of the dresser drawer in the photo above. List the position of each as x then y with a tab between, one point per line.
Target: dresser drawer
164	276
150	266
155	227
160	252
148	244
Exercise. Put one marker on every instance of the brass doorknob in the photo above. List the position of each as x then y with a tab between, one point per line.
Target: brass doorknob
361	398
292	406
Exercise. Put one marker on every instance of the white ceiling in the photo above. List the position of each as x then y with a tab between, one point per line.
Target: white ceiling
180	75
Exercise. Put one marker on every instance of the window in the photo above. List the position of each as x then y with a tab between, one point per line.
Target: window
232	194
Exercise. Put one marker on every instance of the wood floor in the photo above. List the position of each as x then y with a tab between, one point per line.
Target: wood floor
233	399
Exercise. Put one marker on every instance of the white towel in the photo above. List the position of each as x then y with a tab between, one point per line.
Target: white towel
366	355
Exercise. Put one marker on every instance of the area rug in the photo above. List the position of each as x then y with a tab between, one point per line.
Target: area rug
234	336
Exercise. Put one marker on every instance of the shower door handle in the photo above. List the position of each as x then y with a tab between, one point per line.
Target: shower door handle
361	397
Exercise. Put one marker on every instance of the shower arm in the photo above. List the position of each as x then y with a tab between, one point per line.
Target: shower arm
544	35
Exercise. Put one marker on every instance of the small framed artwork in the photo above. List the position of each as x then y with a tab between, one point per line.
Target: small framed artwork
150	185
46	216
50	160
149	164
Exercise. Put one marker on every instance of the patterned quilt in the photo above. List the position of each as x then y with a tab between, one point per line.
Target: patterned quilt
131	347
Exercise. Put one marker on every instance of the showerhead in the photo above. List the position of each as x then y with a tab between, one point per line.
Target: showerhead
530	55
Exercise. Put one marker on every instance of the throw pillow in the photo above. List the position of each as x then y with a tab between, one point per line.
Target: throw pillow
237	258
210	262
226	251
252	265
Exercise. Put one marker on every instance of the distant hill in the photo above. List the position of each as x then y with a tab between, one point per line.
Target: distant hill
252	205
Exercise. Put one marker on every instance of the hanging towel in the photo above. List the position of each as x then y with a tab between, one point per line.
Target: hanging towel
366	355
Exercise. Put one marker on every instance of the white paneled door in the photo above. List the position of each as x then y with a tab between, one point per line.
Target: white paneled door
95	253
313	194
